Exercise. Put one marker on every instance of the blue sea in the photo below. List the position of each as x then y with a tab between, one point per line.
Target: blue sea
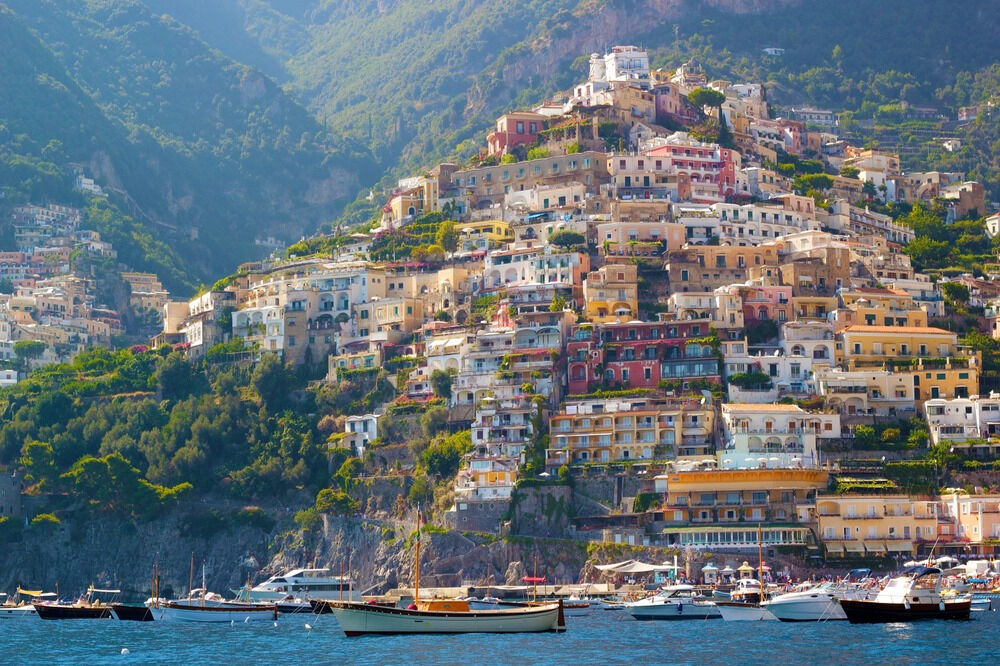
608	637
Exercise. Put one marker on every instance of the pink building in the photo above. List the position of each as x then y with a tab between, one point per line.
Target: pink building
515	129
762	303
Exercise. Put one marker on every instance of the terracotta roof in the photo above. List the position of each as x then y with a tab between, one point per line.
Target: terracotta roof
917	330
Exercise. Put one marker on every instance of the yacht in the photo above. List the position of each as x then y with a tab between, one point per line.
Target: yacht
815	603
21	606
301	584
914	595
674	602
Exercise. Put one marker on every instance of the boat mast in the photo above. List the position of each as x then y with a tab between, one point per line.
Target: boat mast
191	576
760	558
203	583
534	583
416	585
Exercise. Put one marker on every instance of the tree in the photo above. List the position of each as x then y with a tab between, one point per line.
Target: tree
927	253
273	381
955	292
441	383
702	97
434	420
812	181
25	350
508	158
849	171
348	472
336	502
442	315
6	286
865	434
444	454
537	153
558	303
567	238
447	236
176	378
38	459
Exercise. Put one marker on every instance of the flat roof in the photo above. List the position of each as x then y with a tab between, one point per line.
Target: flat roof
750	407
857	328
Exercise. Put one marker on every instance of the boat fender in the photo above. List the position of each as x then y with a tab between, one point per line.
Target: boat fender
126	652
941	606
906	604
680	607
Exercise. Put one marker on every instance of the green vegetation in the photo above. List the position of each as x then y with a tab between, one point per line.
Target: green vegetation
132	431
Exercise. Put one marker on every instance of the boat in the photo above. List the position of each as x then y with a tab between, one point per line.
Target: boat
302	584
980	604
610	604
744	603
674	602
21	605
913	595
575	606
187	611
444	616
735	611
87	607
820	602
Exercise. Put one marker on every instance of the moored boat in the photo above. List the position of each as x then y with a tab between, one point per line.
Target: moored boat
302	584
914	595
192	611
87	607
440	616
131	613
736	611
21	605
809	605
675	602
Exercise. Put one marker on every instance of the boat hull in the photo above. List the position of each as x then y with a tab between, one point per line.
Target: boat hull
736	612
675	611
173	612
870	612
17	613
357	619
807	610
59	612
128	613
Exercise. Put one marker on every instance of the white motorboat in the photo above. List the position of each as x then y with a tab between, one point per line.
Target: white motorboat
674	602
980	604
189	611
574	606
302	584
444	616
810	605
610	604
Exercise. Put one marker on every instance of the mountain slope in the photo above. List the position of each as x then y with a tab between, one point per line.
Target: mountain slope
201	144
415	79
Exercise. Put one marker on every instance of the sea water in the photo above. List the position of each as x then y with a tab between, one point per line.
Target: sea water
602	637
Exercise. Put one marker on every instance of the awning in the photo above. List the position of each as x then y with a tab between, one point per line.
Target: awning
834	548
854	547
900	546
611	567
876	547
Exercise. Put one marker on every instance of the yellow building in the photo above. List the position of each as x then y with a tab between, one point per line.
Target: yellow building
607	431
813	308
484	235
722	508
611	293
879	307
875	525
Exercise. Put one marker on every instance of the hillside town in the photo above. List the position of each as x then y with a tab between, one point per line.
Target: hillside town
653	280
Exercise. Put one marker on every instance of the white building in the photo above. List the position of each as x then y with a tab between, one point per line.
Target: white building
961	419
623	63
359	431
772	436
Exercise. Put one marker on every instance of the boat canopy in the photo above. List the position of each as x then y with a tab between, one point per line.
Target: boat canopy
533	579
634	567
918	571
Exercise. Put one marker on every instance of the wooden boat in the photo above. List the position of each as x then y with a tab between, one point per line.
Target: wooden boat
192	611
444	616
86	607
915	595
